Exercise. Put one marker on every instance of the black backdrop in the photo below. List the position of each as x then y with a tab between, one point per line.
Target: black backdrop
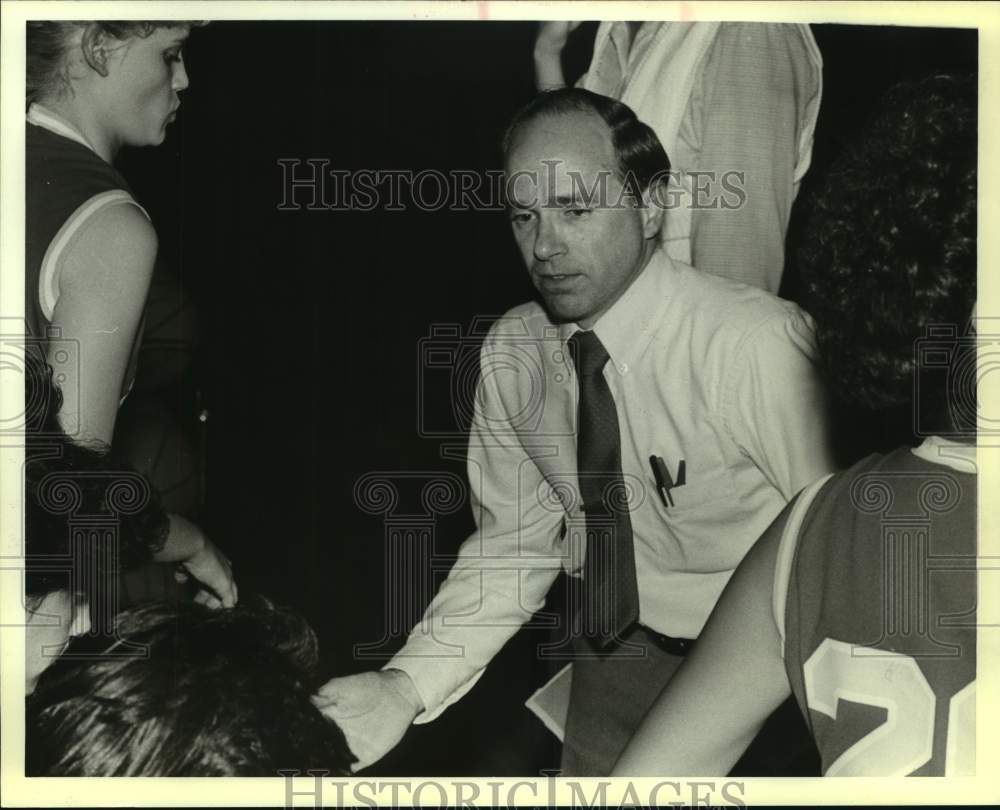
310	322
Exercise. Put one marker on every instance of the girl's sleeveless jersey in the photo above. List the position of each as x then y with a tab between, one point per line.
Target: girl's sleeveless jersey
880	619
65	184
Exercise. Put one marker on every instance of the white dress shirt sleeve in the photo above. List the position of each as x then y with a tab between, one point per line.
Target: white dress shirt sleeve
503	570
776	403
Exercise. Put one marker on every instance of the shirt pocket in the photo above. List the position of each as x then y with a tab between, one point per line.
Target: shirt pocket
707	522
701	493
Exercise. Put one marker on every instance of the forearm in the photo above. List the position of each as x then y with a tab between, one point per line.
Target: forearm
549	44
548	69
504	569
184	541
470	619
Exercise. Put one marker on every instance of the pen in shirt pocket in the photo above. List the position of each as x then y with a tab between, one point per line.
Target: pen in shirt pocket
664	482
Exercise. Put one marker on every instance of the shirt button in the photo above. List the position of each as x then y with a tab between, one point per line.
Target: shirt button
623	368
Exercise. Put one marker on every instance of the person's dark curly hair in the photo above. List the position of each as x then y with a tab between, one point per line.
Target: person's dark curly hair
63	481
218	693
891	247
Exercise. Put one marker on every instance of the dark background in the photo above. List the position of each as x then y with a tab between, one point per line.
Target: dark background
298	334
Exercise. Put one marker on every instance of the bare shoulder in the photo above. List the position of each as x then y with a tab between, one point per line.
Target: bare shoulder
116	247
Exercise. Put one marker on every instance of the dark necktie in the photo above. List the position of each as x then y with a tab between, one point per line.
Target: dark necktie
611	595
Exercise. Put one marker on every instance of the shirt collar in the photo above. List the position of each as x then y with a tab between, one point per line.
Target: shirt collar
44	117
619	37
956	455
627	327
630	47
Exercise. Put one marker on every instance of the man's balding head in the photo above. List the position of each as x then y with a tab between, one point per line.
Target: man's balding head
640	157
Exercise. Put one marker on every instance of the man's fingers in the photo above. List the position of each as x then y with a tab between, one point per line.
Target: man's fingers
322	702
344	709
328	692
344	686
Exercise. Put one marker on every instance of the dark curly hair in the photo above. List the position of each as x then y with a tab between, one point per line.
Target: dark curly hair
47	43
891	247
64	481
216	693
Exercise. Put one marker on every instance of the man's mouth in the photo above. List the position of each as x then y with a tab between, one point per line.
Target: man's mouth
557	282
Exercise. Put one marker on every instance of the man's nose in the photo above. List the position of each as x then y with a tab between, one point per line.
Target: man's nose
548	241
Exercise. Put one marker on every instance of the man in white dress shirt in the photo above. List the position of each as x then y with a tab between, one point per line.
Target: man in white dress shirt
710	379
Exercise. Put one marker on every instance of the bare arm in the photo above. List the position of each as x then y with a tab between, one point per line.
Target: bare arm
103	281
549	44
728	686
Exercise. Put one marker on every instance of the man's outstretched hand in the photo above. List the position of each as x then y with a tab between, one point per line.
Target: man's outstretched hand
373	709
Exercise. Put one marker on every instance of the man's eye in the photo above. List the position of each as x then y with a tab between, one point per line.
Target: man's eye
172	56
520	217
577	212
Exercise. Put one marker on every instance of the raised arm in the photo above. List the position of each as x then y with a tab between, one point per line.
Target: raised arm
549	44
726	688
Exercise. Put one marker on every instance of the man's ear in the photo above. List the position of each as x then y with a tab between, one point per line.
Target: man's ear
96	48
652	209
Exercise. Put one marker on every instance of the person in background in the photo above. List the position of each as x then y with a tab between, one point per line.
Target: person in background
93	88
735	106
837	603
